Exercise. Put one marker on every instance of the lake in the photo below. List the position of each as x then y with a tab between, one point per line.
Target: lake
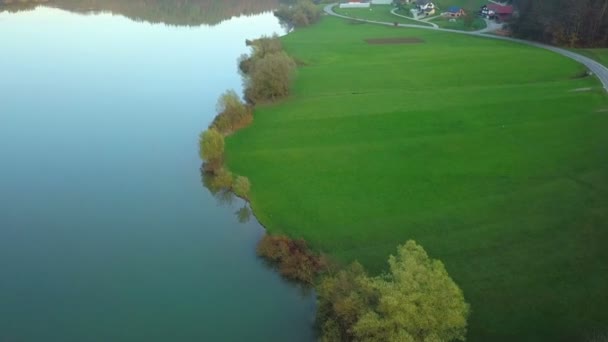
106	231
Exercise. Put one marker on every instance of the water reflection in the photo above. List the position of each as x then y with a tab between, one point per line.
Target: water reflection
171	12
244	214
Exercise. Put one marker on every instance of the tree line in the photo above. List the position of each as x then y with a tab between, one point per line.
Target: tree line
570	23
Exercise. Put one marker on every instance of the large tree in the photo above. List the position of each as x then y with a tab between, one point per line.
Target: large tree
573	23
416	301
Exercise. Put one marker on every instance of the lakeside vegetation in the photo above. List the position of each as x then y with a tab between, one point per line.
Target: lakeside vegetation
496	168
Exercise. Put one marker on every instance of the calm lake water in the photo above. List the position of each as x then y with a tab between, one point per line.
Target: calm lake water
106	232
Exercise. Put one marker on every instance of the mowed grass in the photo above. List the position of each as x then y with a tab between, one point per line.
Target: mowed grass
459	23
377	13
480	150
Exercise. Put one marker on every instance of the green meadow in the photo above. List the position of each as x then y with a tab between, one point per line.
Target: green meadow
376	13
459	23
491	155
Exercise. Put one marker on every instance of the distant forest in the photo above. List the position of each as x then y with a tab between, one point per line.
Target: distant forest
571	23
172	12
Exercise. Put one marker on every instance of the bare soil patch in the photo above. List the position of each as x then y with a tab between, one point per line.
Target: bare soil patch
405	40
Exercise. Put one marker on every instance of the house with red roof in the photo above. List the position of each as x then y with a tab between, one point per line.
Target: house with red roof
502	12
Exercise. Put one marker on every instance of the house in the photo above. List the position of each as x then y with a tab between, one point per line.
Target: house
455	11
355	4
424	5
502	12
382	2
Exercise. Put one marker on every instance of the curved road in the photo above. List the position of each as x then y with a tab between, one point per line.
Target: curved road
600	71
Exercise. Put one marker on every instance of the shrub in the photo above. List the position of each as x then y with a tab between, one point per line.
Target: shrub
415	301
211	149
270	78
260	48
241	187
232	113
303	13
292	257
222	179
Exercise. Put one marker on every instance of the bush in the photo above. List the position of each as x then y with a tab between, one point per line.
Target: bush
292	257
241	187
233	114
211	149
222	179
415	301
260	48
270	78
303	13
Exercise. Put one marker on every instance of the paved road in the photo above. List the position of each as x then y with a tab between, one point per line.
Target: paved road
596	68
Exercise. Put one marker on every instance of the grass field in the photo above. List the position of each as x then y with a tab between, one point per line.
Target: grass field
492	155
377	13
458	24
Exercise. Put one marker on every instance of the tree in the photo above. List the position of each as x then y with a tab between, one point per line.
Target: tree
418	301
303	13
211	149
342	299
232	113
241	187
293	258
573	23
270	77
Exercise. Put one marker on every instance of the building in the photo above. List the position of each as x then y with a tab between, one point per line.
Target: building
455	11
355	4
501	12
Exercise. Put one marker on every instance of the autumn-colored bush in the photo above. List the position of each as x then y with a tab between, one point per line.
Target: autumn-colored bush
233	114
292	258
269	78
303	13
415	301
211	149
241	187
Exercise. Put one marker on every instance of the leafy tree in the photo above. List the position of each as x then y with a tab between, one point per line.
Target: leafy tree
232	113
302	13
418	301
292	257
211	149
343	298
241	187
415	301
222	179
270	78
573	23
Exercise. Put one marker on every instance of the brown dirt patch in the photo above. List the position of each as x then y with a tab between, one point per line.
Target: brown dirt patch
405	40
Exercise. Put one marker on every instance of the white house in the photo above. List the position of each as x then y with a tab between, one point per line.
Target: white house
355	4
382	2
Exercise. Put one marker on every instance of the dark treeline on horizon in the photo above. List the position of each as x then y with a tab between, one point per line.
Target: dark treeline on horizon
571	23
172	12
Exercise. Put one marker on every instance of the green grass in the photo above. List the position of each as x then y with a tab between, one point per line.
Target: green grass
480	150
458	24
376	13
600	55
